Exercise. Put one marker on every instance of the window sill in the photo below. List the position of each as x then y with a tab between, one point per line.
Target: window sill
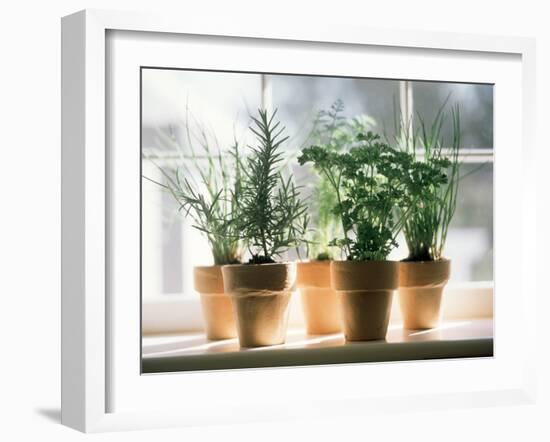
179	313
192	351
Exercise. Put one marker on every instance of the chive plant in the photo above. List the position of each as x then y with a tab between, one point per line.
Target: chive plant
426	228
207	184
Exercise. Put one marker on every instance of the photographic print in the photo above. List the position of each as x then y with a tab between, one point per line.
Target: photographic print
295	220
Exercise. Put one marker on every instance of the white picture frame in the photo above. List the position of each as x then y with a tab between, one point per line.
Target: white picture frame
87	311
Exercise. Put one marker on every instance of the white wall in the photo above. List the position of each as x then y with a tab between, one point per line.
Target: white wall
30	220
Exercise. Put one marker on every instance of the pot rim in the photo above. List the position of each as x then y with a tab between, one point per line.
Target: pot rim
347	261
437	261
307	261
314	262
424	274
208	267
266	264
208	279
313	274
364	275
259	277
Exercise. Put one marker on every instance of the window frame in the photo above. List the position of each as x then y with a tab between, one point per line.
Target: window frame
85	208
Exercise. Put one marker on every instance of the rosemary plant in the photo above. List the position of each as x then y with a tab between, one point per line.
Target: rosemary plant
207	187
426	228
370	181
272	217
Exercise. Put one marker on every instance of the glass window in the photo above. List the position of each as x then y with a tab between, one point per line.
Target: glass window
183	109
476	109
218	102
471	233
299	98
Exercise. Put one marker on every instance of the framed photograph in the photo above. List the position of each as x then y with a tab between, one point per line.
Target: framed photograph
276	223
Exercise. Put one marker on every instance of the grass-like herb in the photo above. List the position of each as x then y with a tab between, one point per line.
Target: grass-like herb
427	226
207	187
272	217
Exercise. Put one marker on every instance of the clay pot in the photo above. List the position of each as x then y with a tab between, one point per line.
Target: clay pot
260	294
420	291
319	301
365	290
216	305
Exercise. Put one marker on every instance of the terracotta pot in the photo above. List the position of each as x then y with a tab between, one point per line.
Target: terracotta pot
365	290
420	292
260	294
216	305
319	300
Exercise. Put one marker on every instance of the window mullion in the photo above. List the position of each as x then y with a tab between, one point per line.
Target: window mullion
406	107
266	93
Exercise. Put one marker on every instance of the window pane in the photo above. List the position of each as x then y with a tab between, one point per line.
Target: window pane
218	106
299	98
470	239
218	102
476	109
171	245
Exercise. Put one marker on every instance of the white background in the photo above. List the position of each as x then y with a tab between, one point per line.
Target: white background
30	221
